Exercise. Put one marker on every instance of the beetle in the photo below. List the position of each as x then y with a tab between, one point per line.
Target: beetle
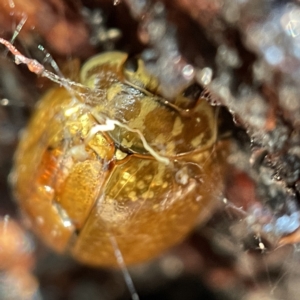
119	167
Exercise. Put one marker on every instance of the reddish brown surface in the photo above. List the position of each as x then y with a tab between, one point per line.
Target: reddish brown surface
55	21
240	190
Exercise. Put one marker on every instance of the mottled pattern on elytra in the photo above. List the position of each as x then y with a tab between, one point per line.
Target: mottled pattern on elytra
80	191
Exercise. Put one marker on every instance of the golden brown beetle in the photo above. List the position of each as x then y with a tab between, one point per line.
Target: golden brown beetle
127	168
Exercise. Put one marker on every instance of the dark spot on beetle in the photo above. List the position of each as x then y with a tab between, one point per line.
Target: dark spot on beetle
131	64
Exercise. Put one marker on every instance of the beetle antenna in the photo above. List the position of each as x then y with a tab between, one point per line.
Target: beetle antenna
126	274
111	124
35	67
